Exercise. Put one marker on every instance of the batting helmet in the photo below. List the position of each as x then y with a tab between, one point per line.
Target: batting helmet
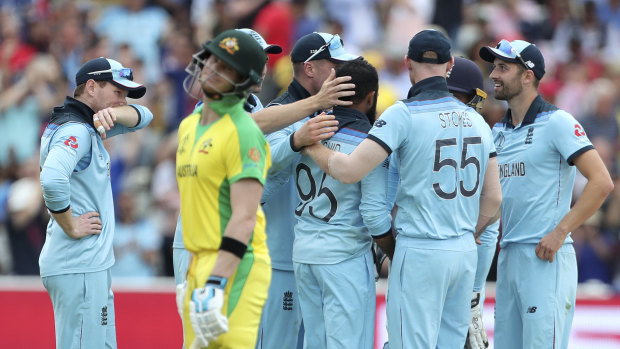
237	49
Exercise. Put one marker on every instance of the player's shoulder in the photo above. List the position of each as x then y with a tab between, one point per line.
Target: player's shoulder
77	129
246	128
398	108
558	116
189	120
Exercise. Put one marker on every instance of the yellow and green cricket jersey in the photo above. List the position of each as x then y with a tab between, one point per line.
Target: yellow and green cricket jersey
209	159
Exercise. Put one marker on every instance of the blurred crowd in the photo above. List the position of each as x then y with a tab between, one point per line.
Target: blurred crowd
44	42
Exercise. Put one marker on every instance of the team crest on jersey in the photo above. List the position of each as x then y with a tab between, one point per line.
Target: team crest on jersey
529	136
206	146
499	141
71	142
254	154
230	45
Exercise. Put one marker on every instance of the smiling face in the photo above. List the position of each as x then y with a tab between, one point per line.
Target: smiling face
506	79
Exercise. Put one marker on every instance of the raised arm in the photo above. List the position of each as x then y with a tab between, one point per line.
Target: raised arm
279	116
128	118
348	168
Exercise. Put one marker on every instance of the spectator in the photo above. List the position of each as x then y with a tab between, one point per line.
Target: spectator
140	26
136	239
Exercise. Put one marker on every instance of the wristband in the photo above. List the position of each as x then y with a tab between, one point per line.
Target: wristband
217	281
233	246
292	143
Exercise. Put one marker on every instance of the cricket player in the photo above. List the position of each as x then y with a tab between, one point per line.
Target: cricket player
77	255
314	56
448	193
538	147
333	262
283	329
222	162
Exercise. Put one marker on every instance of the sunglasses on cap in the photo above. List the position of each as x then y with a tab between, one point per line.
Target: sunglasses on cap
322	48
506	47
126	73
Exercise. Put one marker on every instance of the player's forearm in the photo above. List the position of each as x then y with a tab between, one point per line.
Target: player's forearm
66	222
280	116
126	116
484	222
594	194
240	230
490	198
133	116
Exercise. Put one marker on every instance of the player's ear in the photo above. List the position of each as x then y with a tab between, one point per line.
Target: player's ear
408	63
90	87
450	64
528	77
309	69
369	100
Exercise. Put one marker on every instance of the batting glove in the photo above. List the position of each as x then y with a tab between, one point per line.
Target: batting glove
205	311
181	291
378	257
477	335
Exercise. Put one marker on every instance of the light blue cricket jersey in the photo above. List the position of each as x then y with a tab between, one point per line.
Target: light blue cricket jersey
75	173
280	194
443	149
279	200
252	105
330	227
535	169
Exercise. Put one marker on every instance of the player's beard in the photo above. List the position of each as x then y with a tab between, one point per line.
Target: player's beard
509	89
371	113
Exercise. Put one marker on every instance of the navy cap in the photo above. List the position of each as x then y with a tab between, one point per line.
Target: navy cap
429	40
315	46
465	77
517	51
105	69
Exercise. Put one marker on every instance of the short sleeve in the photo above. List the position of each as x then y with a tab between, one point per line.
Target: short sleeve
389	130
252	158
568	136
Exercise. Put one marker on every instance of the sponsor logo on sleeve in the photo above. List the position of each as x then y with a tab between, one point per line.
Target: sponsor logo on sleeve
579	132
254	154
71	142
380	123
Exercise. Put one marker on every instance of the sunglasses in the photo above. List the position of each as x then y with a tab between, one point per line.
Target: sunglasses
321	49
126	73
506	47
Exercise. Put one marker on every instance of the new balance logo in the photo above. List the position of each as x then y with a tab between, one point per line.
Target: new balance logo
531	310
380	123
530	135
287	301
104	316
